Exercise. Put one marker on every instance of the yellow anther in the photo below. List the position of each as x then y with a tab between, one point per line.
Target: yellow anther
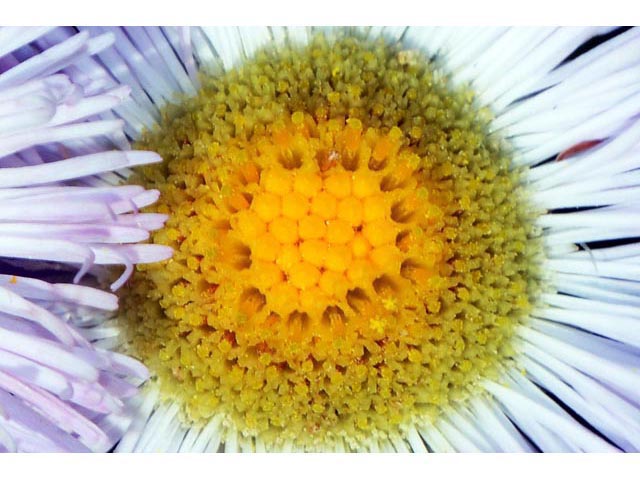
354	124
415	356
339	231
395	134
382	149
338	184
311	226
267	206
333	97
284	229
324	205
295	205
416	133
237	202
297	118
350	210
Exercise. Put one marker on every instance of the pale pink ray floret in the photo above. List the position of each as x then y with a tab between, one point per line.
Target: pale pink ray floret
64	209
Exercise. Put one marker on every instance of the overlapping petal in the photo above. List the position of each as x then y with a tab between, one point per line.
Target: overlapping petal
64	210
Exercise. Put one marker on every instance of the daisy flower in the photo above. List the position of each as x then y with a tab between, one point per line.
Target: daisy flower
385	239
63	210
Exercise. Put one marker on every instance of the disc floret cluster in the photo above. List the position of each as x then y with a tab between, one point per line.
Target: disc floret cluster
351	248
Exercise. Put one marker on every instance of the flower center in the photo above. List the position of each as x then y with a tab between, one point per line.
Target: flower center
351	251
325	225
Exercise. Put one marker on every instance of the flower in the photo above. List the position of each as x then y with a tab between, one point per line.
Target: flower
61	389
570	386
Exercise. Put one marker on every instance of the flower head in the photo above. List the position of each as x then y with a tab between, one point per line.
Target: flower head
480	312
332	259
535	105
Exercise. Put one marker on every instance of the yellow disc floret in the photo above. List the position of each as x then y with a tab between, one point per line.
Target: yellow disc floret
351	249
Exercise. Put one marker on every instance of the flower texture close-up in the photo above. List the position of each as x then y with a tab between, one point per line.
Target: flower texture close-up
366	239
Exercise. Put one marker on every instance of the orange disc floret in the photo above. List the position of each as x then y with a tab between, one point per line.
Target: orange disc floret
237	201
288	256
380	232
333	283
338	258
375	207
266	275
311	227
387	258
360	246
365	184
338	184
307	184
382	149
324	205
276	181
284	230
249	224
283	297
267	206
350	210
312	300
314	251
352	134
304	275
339	231
266	247
295	206
359	271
